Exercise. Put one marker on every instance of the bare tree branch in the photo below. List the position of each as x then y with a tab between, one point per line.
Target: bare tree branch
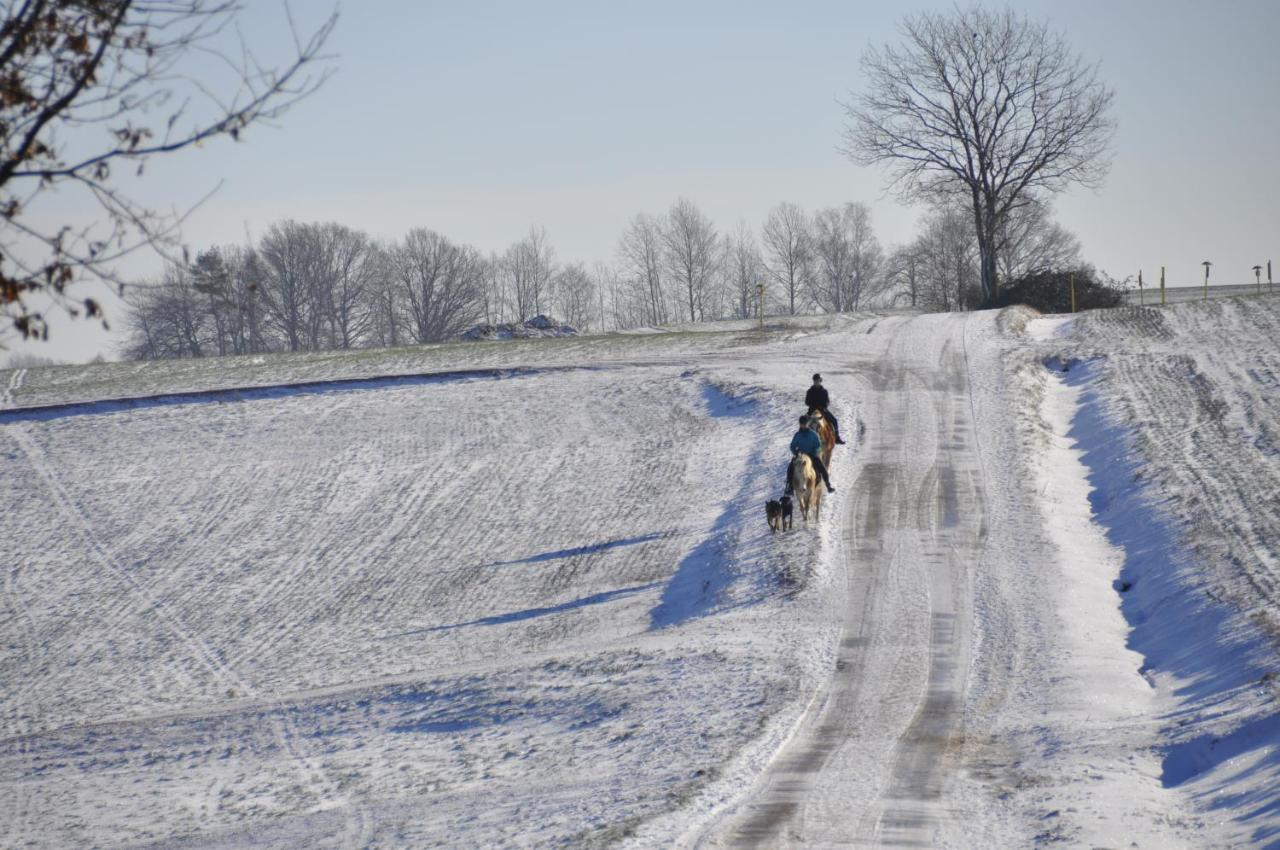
90	85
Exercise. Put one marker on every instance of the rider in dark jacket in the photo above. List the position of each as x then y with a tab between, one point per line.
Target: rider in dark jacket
818	399
807	441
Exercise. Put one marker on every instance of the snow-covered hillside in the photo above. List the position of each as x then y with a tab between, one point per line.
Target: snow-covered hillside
527	606
1179	418
523	593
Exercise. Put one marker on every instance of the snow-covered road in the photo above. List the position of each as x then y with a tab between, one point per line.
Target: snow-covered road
523	595
872	763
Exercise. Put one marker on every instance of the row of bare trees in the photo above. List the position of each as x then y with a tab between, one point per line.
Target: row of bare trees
310	287
313	287
680	267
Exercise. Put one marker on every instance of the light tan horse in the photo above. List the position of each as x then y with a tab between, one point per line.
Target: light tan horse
806	487
826	434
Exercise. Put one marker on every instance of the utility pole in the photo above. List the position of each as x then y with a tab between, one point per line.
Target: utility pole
1141	298
760	297
1073	292
1206	265
1162	286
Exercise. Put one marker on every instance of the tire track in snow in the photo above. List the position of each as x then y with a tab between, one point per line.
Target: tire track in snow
359	822
8	398
20	797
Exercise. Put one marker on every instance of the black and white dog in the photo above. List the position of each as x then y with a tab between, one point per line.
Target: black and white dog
773	513
778	512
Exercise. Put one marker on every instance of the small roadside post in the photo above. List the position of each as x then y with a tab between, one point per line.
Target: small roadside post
1141	300
1270	286
1162	286
1206	265
1257	275
760	303
1073	292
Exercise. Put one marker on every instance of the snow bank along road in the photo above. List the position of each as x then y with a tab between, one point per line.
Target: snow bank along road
524	595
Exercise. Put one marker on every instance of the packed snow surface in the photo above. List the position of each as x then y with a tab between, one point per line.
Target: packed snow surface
523	593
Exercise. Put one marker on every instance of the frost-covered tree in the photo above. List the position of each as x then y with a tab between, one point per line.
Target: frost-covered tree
527	269
690	255
846	257
743	270
641	258
788	243
575	296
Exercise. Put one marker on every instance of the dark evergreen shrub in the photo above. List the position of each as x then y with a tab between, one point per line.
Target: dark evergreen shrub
1050	291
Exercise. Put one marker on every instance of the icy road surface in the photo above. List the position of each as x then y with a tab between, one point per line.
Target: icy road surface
523	595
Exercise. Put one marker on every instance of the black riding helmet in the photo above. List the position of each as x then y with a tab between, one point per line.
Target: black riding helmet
817	379
804	419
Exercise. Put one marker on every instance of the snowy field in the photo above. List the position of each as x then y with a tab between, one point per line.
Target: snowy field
528	606
523	594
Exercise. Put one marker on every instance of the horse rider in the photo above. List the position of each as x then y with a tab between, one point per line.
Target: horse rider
807	441
818	399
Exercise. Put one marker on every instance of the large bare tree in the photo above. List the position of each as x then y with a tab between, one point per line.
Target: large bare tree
93	88
982	105
442	284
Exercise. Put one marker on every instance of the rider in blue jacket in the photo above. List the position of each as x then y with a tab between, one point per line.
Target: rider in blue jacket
808	442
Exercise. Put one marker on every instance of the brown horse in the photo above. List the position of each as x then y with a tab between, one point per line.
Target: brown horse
826	434
805	485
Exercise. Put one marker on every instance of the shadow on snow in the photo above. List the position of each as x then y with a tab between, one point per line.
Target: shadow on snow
533	613
589	549
41	413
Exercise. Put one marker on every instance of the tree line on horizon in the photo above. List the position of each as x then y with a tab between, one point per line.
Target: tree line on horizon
324	286
983	115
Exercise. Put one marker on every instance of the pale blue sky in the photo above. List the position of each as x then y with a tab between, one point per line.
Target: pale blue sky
481	119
